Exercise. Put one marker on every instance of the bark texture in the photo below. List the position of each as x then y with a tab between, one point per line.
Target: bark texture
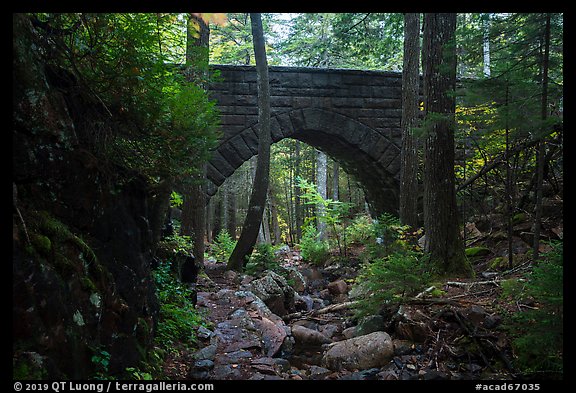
259	190
410	96
443	241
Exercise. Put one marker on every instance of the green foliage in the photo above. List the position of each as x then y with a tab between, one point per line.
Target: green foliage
333	211
394	266
176	199
390	237
312	248
101	362
178	318
539	332
177	244
159	123
391	279
344	40
361	230
223	246
138	375
262	259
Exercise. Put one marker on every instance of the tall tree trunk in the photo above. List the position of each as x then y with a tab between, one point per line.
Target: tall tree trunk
217	217
486	43
209	215
231	209
275	236
509	194
321	176
264	234
257	203
541	145
288	194
194	208
443	241
410	98
299	216
335	181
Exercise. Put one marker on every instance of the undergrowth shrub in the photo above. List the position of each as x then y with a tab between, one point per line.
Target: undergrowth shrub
390	280
312	248
178	318
262	259
223	246
361	230
539	332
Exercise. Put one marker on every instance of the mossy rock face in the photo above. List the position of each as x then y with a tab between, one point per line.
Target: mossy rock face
473	252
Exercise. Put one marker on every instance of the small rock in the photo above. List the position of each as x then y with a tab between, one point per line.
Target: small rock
349	332
235	356
206	353
338	287
370	324
308	337
413	331
491	321
329	330
204	364
475	314
402	347
435	375
325	294
200	369
204	332
232	276
273	335
282	364
317	372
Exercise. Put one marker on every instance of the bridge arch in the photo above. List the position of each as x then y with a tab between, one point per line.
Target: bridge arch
372	158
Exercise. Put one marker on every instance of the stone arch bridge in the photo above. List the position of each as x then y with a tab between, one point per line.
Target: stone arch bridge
351	115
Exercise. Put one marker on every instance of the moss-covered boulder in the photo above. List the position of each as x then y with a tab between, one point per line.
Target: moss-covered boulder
474	252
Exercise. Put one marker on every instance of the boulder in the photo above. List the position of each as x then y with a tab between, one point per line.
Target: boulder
273	335
360	353
297	280
274	291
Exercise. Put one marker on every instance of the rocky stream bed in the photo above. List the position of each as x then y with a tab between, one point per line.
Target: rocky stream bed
267	327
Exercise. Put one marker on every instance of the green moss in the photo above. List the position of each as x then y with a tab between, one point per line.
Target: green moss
518	218
473	252
59	231
498	263
41	243
87	284
437	292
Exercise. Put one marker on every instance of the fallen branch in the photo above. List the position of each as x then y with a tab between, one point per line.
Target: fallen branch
471	284
327	309
424	292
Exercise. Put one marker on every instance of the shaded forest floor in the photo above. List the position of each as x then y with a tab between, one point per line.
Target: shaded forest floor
454	329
